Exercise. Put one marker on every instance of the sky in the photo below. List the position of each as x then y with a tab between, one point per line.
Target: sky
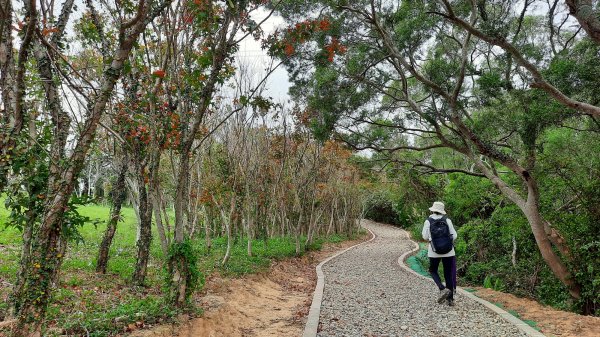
250	51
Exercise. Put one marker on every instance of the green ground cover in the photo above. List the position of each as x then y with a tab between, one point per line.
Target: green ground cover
92	304
419	263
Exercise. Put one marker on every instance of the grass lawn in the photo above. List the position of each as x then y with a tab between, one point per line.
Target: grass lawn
104	305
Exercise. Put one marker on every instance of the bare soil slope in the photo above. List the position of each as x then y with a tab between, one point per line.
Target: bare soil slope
272	304
552	322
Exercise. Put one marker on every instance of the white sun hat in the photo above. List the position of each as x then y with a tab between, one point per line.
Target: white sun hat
438	207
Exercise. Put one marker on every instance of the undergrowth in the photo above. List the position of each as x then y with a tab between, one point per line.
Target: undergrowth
90	304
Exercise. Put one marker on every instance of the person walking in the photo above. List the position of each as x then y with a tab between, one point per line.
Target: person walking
440	233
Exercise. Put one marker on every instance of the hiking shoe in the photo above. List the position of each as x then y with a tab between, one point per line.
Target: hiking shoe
443	295
450	302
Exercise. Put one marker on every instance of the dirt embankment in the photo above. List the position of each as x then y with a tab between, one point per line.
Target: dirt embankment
271	304
550	321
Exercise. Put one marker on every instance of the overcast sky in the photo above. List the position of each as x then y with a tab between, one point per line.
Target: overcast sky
251	52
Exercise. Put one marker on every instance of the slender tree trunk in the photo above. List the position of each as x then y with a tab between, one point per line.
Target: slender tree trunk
177	262
145	229
207	235
298	233
134	198
32	219
62	250
332	219
155	198
346	221
164	243
163	208
514	252
12	80
249	220
119	193
24	261
46	254
227	220
249	234
86	184
41	271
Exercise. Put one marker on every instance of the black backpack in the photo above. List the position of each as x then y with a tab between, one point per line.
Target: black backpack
441	239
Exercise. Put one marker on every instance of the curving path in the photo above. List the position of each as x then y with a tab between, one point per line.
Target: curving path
367	293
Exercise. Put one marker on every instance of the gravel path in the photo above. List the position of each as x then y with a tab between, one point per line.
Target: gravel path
368	294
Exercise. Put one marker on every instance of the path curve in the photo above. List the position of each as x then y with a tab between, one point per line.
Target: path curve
369	292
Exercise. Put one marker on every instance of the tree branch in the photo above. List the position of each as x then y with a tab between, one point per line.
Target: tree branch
539	80
588	17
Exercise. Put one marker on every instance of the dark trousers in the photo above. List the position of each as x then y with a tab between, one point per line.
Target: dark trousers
449	264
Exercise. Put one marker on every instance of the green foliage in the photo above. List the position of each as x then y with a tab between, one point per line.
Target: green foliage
412	24
572	201
500	116
381	209
329	98
184	256
441	70
485	242
576	71
387	207
101	321
494	283
469	197
551	291
102	305
491	83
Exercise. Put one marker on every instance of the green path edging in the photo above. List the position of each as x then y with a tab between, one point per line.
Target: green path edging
528	326
529	322
414	263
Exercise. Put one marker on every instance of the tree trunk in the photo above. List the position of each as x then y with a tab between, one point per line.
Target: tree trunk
227	220
298	233
32	218
24	261
86	184
145	229
177	263
513	258
331	219
207	236
46	255
41	271
587	16
163	208
132	190
155	200
119	193
12	80
164	243
530	209
249	234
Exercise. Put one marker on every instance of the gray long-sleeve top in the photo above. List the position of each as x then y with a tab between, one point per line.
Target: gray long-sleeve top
427	236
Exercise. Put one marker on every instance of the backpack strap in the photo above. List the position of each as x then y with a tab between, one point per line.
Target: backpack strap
431	220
